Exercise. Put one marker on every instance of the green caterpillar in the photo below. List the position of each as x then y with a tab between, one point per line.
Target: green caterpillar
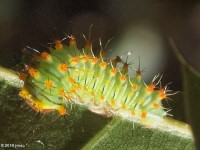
68	74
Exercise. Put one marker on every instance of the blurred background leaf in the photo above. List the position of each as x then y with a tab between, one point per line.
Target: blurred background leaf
191	80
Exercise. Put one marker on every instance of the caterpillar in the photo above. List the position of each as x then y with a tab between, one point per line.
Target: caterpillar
66	74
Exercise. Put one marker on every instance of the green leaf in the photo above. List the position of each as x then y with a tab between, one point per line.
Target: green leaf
22	126
192	100
123	134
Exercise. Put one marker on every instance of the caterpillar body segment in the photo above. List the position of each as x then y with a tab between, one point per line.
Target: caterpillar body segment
68	74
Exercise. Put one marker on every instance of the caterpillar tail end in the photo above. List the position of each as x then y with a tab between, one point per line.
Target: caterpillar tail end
40	106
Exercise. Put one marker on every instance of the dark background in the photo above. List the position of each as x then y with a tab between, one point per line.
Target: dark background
36	23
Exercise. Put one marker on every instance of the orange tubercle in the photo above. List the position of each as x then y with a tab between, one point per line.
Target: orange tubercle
162	94
144	114
22	76
85	89
63	67
38	106
62	111
24	93
71	80
49	84
92	93
85	58
58	44
94	60
88	45
103	65
150	87
134	87
112	102
123	78
72	41
74	60
46	56
61	92
123	106
36	57
155	105
113	71
33	72
74	88
132	113
102	97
